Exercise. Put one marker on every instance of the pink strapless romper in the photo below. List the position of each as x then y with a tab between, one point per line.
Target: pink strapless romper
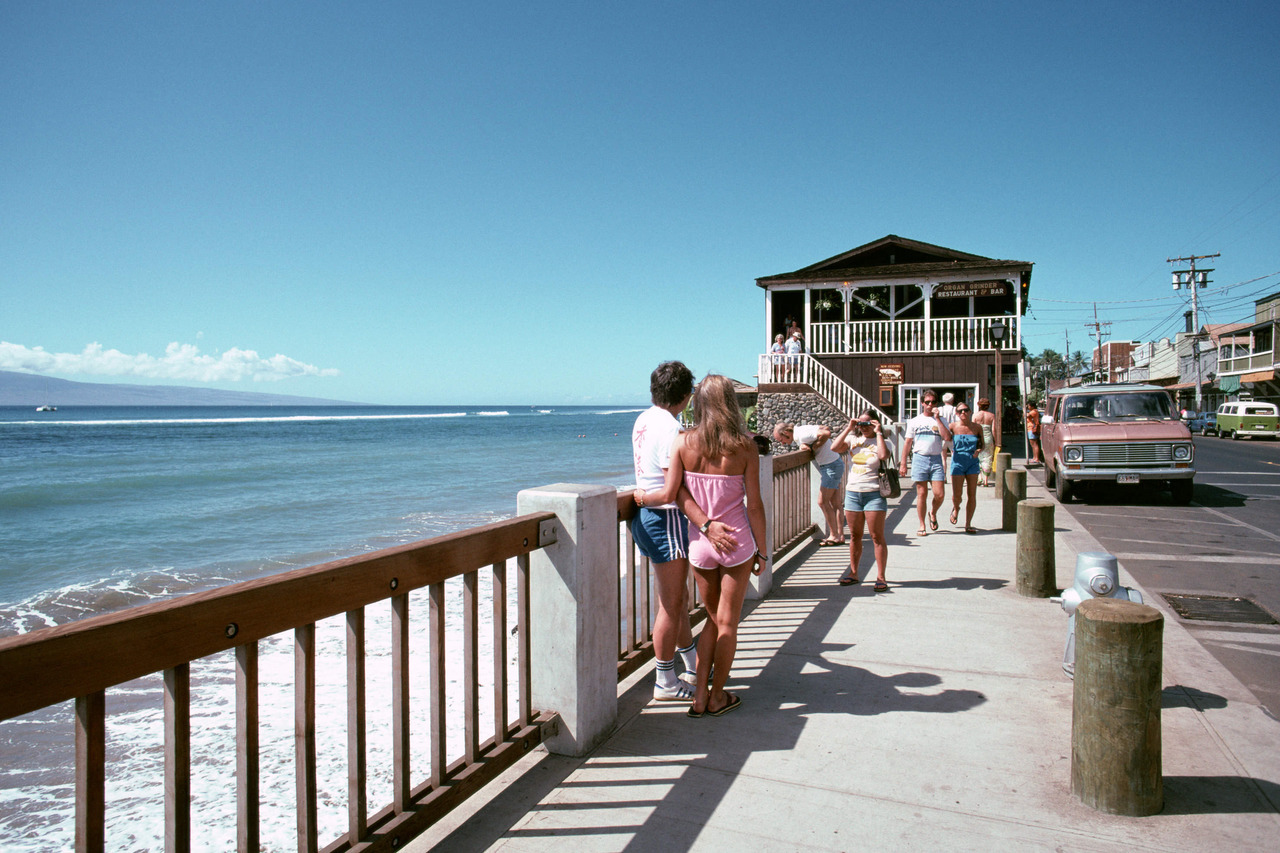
723	498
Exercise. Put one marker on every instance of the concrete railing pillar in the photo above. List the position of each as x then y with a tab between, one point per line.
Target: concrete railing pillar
1115	718
1036	568
1004	461
573	603
762	583
1015	490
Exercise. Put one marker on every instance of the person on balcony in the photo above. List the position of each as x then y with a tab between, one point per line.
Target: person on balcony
795	346
816	438
925	436
661	531
778	354
863	504
718	463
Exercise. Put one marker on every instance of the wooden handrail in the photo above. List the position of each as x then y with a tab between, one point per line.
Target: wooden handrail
89	655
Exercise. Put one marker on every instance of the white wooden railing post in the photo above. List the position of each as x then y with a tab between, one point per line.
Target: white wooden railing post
763	582
573	600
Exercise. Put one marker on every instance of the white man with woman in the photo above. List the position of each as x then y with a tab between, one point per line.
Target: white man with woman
717	465
926	434
661	530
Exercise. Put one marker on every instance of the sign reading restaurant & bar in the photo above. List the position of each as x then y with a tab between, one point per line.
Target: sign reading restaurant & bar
957	289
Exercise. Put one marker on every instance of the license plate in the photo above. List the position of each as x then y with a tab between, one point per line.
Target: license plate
1127	478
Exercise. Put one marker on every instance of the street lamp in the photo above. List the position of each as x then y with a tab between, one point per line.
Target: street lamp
997	329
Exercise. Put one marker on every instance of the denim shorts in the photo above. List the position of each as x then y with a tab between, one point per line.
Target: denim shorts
829	474
865	502
963	466
926	468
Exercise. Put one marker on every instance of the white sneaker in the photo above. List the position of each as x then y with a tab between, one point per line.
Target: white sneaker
689	678
681	692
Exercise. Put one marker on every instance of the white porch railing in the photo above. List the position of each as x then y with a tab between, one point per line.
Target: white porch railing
776	369
949	334
1246	363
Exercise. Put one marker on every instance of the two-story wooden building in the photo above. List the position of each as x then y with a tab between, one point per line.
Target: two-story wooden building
895	316
1247	360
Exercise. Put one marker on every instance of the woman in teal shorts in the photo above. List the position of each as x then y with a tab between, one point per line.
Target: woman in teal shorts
864	442
966	444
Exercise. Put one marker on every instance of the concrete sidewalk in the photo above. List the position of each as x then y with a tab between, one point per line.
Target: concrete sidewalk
935	715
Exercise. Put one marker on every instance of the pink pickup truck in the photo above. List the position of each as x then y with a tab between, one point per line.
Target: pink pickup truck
1124	433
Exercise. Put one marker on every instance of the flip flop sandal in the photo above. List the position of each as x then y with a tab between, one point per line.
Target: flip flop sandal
971	530
693	713
881	586
734	702
922	532
933	521
849	578
955	515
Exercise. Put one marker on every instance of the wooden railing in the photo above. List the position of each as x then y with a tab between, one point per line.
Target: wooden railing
943	334
81	660
1244	364
792	511
806	370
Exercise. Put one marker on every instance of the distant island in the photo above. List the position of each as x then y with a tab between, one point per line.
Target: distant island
30	389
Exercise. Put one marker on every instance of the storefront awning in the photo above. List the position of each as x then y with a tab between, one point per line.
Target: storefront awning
1260	376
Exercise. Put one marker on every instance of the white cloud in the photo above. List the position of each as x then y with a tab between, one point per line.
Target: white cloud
180	361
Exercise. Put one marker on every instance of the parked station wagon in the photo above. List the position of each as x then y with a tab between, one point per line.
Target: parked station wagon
1122	433
1247	418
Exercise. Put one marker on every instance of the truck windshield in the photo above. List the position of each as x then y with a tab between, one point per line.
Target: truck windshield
1105	406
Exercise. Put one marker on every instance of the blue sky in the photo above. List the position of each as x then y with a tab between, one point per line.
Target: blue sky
490	202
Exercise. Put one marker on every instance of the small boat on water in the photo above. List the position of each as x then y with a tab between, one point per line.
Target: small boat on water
46	408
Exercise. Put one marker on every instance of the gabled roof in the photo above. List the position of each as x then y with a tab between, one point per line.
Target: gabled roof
893	257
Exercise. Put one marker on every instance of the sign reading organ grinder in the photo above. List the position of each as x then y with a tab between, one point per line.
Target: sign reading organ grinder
959	289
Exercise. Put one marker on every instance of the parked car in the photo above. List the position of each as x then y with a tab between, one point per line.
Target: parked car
1246	417
1202	422
1125	433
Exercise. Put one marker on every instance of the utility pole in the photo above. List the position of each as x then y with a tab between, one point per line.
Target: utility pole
1098	330
1194	279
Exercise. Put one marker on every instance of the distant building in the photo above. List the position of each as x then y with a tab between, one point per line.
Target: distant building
894	316
1247	358
1113	360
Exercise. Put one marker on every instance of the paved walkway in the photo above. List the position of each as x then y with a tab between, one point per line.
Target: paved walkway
932	716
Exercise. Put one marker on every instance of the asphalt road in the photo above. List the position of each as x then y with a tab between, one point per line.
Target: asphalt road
1225	544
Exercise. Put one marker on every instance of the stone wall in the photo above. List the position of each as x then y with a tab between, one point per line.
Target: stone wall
795	408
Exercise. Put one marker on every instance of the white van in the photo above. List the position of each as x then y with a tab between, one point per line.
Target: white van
1246	417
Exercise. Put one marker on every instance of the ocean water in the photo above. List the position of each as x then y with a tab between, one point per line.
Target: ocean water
104	508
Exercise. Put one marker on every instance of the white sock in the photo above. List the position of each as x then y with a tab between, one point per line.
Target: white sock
666	673
689	655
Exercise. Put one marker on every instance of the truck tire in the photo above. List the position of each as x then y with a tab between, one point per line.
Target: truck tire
1062	489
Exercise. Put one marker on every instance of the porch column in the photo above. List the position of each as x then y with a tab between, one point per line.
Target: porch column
1017	314
927	290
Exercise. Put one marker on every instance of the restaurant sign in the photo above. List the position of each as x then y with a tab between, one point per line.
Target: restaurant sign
958	289
891	374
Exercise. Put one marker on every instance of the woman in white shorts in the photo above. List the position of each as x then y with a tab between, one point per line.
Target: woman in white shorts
864	441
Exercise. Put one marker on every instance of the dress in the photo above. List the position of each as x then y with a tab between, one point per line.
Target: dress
723	498
988	451
964	459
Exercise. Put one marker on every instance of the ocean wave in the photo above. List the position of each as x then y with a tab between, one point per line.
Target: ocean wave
273	419
619	411
492	414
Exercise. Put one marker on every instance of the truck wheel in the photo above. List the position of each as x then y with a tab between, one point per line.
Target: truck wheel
1062	489
1235	435
1181	491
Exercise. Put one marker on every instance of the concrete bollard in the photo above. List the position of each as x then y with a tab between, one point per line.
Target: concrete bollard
1015	490
573	601
1115	718
1036	569
1004	461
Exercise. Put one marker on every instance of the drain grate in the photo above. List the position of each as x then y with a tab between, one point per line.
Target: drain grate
1218	608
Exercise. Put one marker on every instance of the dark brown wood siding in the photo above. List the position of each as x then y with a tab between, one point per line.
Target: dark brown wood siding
861	372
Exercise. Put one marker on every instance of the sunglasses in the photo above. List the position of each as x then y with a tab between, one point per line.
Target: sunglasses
962	411
864	423
928	402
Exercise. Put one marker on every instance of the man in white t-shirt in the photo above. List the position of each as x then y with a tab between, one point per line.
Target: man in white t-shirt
817	438
926	434
662	532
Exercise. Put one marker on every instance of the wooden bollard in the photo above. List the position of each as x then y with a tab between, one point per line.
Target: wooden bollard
1004	461
1036	570
1115	717
1015	489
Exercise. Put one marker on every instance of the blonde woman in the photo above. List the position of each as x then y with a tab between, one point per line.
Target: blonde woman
718	463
